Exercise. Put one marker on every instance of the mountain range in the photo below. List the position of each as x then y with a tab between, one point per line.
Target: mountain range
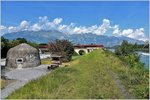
87	38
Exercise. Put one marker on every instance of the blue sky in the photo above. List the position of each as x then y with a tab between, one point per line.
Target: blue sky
126	15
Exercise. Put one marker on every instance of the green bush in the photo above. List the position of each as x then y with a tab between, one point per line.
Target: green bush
133	60
63	48
125	49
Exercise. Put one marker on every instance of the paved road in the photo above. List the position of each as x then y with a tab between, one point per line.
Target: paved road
22	76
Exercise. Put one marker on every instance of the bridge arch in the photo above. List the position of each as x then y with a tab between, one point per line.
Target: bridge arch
77	50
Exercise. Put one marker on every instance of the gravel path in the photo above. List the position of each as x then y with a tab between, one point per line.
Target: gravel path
22	76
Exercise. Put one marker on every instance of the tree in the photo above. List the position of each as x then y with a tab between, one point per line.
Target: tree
6	44
3	42
126	49
63	48
22	40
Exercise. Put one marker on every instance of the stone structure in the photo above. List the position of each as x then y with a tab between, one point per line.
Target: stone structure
87	48
22	56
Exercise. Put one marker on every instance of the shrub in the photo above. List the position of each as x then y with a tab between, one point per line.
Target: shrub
63	48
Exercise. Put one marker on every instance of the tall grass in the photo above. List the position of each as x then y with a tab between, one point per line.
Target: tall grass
86	78
135	78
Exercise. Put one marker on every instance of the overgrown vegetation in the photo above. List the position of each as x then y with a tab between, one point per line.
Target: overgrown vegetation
127	52
84	78
88	76
3	83
125	49
143	47
137	78
138	47
46	61
63	48
6	44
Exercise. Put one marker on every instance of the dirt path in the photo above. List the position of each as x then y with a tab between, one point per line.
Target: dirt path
119	84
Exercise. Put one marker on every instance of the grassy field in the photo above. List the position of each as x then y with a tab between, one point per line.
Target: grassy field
46	61
88	76
3	83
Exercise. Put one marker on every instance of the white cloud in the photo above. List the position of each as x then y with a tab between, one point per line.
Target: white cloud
127	32
12	29
62	27
131	33
3	29
35	27
105	26
138	34
56	24
45	24
68	29
24	25
57	21
116	29
99	30
80	30
43	20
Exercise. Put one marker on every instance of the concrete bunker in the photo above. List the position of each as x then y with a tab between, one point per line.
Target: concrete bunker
22	56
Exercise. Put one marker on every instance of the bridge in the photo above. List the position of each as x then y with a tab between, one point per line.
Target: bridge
86	48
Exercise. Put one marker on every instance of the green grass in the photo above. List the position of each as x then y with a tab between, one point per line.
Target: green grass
3	83
46	61
86	77
135	79
75	57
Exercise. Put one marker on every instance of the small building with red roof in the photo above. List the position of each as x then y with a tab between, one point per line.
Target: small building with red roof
43	48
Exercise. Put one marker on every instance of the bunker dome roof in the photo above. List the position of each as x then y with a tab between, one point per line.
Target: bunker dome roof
23	48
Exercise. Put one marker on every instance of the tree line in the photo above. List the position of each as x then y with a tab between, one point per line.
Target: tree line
128	52
63	48
139	75
7	44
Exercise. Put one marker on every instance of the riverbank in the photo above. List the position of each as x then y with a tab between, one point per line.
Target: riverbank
144	57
